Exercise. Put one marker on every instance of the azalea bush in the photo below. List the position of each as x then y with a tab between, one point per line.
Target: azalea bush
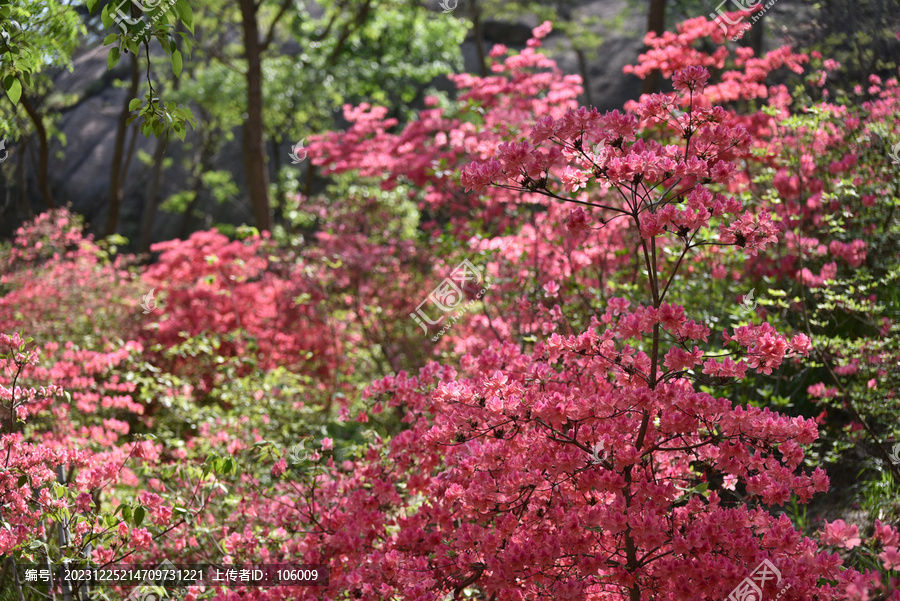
614	418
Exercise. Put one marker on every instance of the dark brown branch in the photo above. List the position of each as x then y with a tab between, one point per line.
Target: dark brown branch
268	39
44	149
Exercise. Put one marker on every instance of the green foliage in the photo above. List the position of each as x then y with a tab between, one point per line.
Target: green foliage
853	318
356	54
881	497
861	36
35	36
136	29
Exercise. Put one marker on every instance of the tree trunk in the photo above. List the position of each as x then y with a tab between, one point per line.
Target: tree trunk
152	201
43	150
119	162
253	145
582	67
756	37
189	211
656	22
151	204
201	162
24	204
479	38
281	193
308	180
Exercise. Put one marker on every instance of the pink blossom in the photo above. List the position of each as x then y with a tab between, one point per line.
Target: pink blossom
801	344
577	221
543	129
141	538
691	79
890	557
839	534
83	503
542	30
477	176
573	179
886	534
498	50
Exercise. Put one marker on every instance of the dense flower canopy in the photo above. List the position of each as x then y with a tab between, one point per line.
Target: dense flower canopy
583	433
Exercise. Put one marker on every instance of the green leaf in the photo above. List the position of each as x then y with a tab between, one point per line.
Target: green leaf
92	6
126	513
139	514
14	91
185	43
23	480
176	63
36	545
110	39
135	102
183	8
112	59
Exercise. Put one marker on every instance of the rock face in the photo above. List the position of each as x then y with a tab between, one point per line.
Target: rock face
609	87
80	171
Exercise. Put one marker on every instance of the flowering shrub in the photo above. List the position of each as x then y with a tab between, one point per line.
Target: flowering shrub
65	284
240	289
587	433
662	188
